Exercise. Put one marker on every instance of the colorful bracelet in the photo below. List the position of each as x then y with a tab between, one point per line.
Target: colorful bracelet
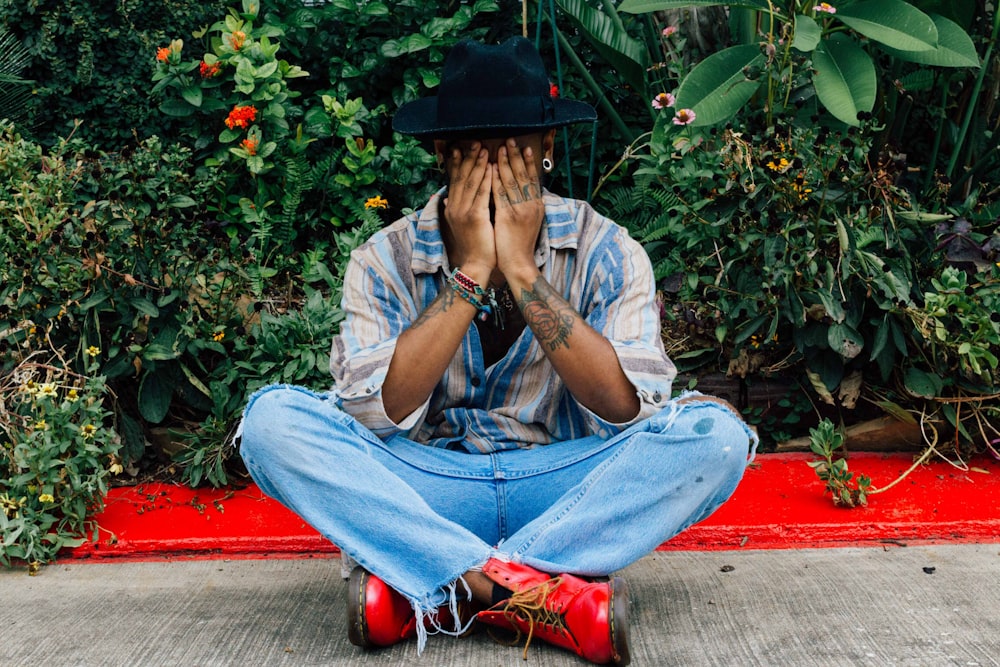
484	300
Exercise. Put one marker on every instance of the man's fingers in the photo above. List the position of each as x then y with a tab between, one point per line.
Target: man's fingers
515	168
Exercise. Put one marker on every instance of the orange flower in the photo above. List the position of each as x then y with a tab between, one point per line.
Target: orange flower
237	39
163	54
208	71
241	117
249	145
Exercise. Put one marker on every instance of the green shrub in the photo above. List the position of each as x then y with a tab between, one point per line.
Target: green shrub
86	64
107	252
57	453
785	221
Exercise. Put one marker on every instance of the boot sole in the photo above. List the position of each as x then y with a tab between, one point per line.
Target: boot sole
357	629
618	621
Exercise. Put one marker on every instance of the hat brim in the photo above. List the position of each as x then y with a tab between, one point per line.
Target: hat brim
419	119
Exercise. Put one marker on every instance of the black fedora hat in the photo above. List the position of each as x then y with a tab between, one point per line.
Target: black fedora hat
488	91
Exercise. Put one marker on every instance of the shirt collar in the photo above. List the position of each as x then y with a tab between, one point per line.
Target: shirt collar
559	231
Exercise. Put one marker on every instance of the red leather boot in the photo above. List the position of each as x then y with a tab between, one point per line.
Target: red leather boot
588	618
378	615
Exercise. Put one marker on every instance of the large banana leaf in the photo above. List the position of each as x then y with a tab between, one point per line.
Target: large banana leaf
627	55
718	86
645	6
954	49
844	78
894	23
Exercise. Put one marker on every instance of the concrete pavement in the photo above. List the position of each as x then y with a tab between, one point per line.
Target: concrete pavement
920	606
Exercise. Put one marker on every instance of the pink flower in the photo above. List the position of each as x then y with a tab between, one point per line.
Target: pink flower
684	117
825	7
669	30
663	100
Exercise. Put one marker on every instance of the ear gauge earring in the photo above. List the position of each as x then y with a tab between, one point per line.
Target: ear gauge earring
547	164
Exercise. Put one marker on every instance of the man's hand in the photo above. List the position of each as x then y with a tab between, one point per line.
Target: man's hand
467	208
517	193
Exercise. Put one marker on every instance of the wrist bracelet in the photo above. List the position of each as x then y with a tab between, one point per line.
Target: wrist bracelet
485	301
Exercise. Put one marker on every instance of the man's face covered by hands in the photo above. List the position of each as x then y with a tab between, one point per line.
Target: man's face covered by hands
494	206
518	165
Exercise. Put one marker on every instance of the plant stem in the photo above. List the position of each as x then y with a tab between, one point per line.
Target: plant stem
602	101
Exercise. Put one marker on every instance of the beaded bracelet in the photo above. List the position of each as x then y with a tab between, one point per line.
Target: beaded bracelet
469	290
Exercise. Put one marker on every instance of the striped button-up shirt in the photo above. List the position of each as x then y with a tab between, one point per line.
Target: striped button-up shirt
520	401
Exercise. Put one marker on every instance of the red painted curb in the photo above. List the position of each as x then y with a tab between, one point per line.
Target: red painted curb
779	505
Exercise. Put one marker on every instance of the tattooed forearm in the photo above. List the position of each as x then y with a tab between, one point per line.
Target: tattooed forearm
441	304
549	317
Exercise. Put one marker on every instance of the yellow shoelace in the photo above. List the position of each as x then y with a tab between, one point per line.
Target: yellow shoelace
529	606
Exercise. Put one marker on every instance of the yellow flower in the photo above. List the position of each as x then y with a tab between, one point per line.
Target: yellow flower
88	430
47	390
40	425
116	468
72	396
377	202
219	336
779	166
93	351
46	498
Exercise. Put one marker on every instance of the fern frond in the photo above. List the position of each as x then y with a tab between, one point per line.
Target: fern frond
297	183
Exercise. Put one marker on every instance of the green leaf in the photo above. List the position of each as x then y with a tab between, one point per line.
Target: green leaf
144	306
181	201
894	23
176	108
921	383
718	87
844	78
807	33
154	398
645	6
133	438
394	48
195	381
845	340
625	54
751	327
881	338
94	300
159	352
918	80
954	49
375	9
192	94
267	69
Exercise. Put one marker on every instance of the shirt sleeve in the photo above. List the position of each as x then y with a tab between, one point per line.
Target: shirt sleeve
377	309
623	307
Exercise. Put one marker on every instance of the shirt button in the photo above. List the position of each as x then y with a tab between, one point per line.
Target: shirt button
476	382
657	397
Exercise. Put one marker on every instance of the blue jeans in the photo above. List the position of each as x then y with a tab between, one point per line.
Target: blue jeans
419	517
